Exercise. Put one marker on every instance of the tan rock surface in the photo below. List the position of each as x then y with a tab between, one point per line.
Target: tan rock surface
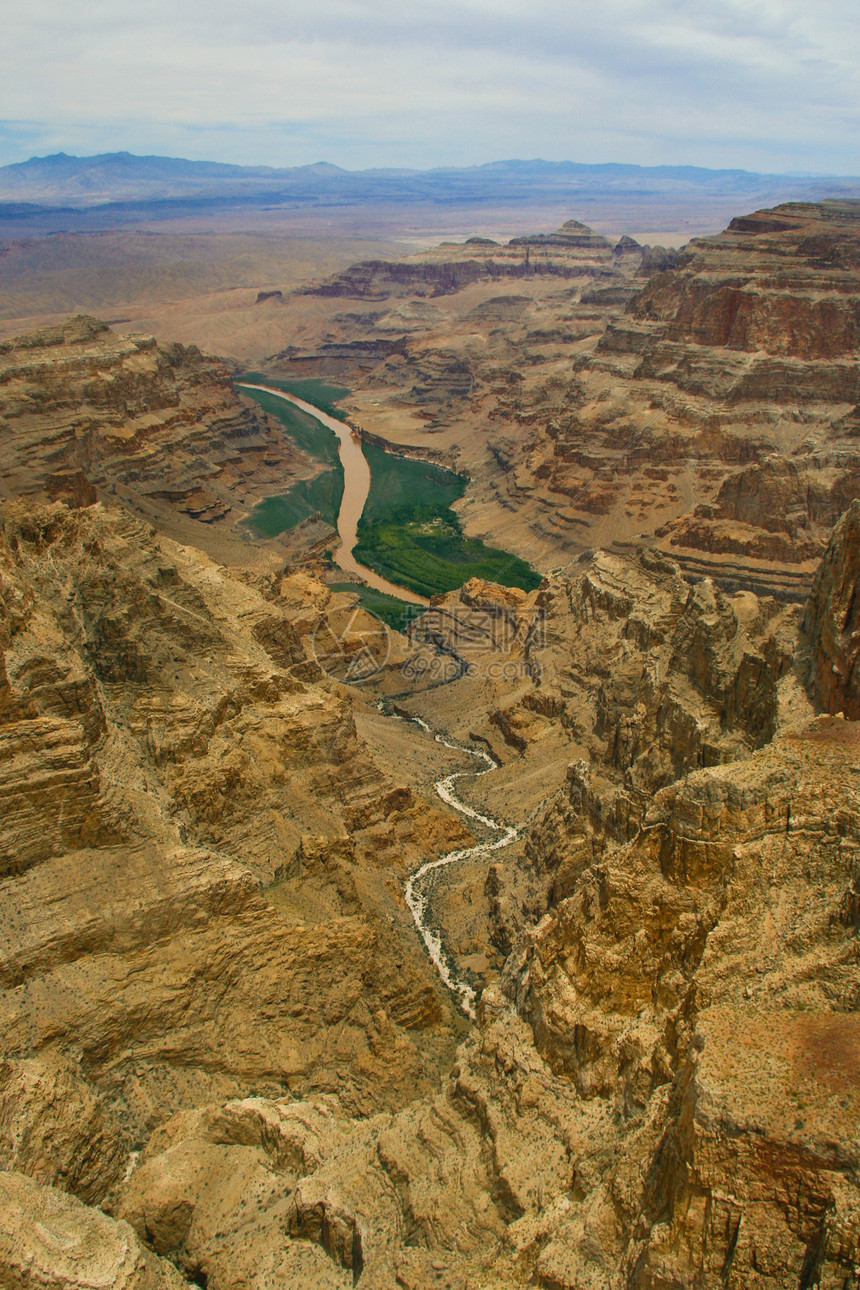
212	905
215	1192
661	1087
607	685
680	1104
705	407
831	621
689	1107
51	1240
86	412
54	1128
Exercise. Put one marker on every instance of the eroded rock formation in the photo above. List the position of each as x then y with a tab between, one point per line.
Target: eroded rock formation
88	413
573	251
227	1060
662	1087
199	854
704	404
832	621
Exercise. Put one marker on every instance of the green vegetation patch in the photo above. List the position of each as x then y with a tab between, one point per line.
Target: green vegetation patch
408	531
403	489
397	614
320	393
320	496
306	432
436	557
409	534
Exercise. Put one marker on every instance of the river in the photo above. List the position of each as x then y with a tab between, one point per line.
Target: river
356	486
415	890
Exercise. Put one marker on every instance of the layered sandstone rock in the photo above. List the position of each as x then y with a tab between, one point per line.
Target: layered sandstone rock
55	1129
573	251
200	891
215	1191
706	406
217	1021
674	1100
663	1089
86	412
434	347
831	620
591	693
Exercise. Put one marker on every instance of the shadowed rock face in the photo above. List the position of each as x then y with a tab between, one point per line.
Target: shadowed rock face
86	412
832	620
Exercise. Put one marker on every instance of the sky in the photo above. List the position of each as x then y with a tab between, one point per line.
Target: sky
767	85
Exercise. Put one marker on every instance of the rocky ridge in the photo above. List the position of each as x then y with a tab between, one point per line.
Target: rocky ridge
705	404
88	413
663	1085
448	315
574	251
592	694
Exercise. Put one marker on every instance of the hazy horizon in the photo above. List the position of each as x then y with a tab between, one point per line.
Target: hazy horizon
476	165
773	88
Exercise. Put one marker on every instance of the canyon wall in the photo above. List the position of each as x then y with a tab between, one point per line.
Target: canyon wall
704	403
226	1058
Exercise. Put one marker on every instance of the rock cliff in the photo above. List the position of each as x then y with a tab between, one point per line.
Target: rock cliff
215	1031
573	251
831	621
663	1086
201	863
227	1060
702	403
88	413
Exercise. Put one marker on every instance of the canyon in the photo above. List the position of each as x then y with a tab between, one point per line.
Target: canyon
613	394
227	1057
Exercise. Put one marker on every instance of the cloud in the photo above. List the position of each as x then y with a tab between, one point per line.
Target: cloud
765	84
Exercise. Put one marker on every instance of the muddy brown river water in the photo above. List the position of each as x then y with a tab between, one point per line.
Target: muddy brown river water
356	486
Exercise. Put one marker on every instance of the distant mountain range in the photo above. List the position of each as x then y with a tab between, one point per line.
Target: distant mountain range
61	193
123	177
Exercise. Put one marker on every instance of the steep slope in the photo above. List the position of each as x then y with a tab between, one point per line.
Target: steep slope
707	407
727	395
663	1088
88	413
201	864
